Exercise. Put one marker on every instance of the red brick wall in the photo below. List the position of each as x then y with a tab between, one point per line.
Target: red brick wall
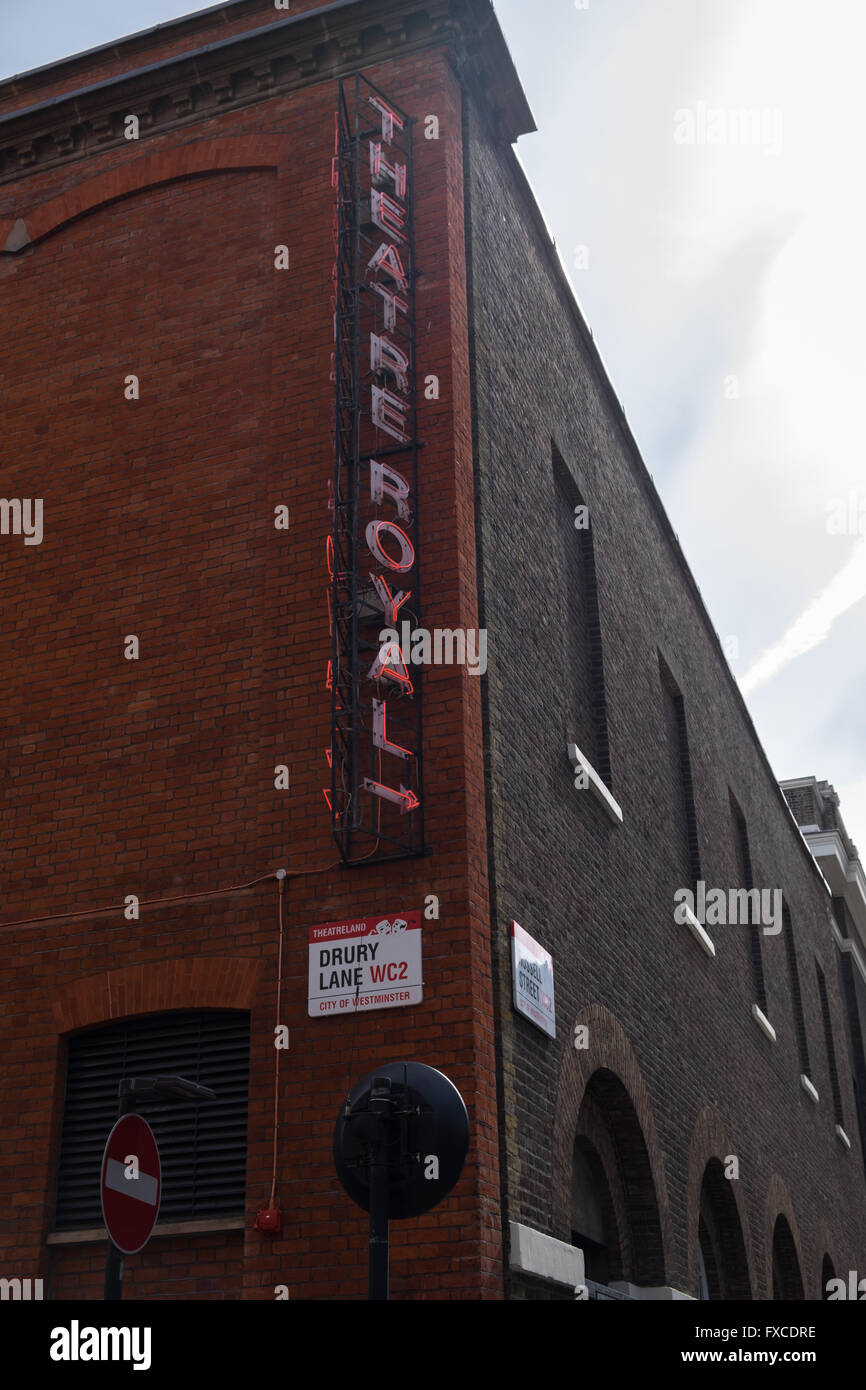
155	776
190	1266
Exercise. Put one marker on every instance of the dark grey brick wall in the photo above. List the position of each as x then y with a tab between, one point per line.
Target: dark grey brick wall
600	898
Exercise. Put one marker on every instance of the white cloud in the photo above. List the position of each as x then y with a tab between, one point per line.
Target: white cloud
814	624
710	262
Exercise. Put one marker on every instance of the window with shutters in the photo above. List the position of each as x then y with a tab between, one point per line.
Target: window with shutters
202	1145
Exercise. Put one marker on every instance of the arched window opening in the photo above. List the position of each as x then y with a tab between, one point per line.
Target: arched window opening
722	1260
592	1221
787	1280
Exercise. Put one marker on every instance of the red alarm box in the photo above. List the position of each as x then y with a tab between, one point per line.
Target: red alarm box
270	1219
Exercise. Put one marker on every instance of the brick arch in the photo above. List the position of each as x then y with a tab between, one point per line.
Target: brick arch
779	1204
708	1143
204	982
609	1059
825	1252
209	156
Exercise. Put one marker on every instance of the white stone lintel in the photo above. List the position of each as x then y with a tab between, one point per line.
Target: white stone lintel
701	936
545	1257
843	1137
763	1022
596	785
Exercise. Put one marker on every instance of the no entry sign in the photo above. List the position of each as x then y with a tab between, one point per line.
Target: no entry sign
130	1184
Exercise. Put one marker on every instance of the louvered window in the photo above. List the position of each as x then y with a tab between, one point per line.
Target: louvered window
202	1145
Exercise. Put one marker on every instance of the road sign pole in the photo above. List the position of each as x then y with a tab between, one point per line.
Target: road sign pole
113	1273
130	1214
380	1107
114	1258
400	1144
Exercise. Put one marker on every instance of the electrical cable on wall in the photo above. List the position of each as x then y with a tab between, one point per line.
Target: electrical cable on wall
164	902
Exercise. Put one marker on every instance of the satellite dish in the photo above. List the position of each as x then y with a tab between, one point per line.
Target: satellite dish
411	1119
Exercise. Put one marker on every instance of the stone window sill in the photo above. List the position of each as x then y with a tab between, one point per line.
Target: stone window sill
163	1228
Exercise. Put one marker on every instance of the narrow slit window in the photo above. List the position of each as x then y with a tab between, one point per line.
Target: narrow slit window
681	765
796	993
586	698
831	1048
744	865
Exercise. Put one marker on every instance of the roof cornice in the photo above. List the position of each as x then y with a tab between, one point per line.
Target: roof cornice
287	55
195	19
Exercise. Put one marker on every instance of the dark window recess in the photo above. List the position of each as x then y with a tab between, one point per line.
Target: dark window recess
744	864
708	1264
840	915
831	1047
604	1293
859	1109
589	1200
787	1279
796	995
827	1273
202	1146
596	657
678	742
583	622
857	1052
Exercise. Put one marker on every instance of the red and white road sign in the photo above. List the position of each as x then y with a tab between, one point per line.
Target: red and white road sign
130	1183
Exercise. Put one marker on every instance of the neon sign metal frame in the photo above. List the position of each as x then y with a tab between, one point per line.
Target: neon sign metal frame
375	799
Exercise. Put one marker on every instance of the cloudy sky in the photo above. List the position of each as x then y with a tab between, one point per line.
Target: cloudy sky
719	260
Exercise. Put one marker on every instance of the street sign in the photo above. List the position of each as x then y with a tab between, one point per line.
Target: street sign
365	963
532	972
130	1184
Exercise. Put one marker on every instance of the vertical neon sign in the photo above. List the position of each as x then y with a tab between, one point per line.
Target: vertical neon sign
375	798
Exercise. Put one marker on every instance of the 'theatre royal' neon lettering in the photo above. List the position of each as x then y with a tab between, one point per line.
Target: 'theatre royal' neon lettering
375	797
